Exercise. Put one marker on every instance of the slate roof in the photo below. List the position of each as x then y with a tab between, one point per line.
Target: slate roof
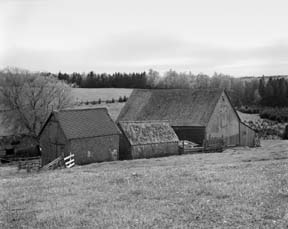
148	132
86	123
181	107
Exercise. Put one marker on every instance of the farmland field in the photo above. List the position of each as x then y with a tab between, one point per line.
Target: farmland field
93	94
239	188
113	108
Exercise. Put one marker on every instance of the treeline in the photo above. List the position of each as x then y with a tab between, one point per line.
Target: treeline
272	92
104	80
243	92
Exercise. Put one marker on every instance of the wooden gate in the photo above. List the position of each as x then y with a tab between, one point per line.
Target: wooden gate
69	161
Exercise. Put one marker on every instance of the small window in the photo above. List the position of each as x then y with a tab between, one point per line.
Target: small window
88	154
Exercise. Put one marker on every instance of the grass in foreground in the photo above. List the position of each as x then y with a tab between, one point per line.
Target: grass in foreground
240	188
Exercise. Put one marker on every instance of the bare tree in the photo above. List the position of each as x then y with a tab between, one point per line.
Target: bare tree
31	97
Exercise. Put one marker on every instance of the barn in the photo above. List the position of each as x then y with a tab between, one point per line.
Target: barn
89	134
195	115
147	139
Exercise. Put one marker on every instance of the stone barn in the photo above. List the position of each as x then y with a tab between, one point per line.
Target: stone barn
89	134
147	139
195	115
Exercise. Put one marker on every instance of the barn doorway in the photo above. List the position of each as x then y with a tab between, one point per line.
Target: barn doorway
190	133
10	152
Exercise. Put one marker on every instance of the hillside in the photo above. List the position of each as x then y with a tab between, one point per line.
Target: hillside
239	188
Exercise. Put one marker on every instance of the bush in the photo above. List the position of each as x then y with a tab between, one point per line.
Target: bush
125	98
249	110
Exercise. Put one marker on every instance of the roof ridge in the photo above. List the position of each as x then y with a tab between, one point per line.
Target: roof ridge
180	89
81	109
145	121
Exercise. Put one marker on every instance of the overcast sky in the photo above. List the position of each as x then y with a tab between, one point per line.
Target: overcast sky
243	37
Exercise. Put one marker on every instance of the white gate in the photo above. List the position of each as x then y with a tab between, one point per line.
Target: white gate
69	161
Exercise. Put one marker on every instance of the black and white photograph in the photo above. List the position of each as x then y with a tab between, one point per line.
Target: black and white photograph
143	114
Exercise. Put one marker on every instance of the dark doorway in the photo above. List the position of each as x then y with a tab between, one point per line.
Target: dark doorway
10	152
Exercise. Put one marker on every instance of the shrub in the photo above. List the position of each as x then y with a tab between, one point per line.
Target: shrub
249	110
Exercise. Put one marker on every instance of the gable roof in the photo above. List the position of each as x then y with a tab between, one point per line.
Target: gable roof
181	107
84	123
148	132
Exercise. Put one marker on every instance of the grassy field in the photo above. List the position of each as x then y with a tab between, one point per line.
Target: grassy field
113	108
240	188
93	94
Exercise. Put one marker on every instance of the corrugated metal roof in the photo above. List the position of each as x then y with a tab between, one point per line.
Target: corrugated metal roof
85	123
148	132
181	107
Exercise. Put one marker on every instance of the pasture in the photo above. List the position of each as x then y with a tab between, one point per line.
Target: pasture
93	94
239	188
82	95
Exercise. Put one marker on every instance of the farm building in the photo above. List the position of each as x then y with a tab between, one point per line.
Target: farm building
147	139
89	134
195	115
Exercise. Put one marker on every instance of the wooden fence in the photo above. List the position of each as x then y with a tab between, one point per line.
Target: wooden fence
30	164
189	150
57	163
69	161
213	145
209	145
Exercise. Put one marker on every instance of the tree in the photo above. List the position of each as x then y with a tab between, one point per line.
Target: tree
269	90
31	97
262	87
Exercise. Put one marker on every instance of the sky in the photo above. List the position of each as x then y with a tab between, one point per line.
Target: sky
240	38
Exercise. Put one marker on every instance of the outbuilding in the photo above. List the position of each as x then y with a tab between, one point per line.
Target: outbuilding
147	139
89	134
195	115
